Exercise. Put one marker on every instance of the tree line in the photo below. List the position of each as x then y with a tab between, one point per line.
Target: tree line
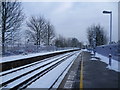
40	31
67	42
96	36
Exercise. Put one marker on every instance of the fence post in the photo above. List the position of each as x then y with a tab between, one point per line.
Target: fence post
110	56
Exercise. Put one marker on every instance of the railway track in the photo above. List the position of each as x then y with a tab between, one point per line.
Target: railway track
26	75
11	64
28	65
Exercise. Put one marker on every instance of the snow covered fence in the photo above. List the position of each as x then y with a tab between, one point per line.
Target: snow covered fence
11	50
112	49
17	50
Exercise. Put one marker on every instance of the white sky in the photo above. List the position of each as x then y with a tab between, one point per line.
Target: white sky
71	19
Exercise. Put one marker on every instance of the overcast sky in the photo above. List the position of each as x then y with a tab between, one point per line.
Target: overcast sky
71	19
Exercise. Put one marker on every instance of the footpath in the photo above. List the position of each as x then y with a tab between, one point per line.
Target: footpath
89	74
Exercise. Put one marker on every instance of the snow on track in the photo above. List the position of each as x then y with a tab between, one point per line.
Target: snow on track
49	78
25	70
22	79
11	70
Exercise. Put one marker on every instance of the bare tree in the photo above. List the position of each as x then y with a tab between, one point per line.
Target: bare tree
75	42
12	18
36	25
60	41
0	15
28	35
0	29
49	34
42	32
96	35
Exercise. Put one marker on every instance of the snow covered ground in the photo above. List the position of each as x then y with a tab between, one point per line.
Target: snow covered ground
17	57
114	64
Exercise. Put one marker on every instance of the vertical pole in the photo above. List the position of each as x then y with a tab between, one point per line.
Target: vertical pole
110	27
110	55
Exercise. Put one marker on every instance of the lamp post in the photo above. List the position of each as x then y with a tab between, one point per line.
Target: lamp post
109	12
110	55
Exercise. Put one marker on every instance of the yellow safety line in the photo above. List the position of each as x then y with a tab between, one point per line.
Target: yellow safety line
81	74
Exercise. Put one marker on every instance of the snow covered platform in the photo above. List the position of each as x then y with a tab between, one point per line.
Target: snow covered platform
96	72
18	57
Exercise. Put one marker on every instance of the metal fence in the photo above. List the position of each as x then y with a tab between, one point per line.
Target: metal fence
113	49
